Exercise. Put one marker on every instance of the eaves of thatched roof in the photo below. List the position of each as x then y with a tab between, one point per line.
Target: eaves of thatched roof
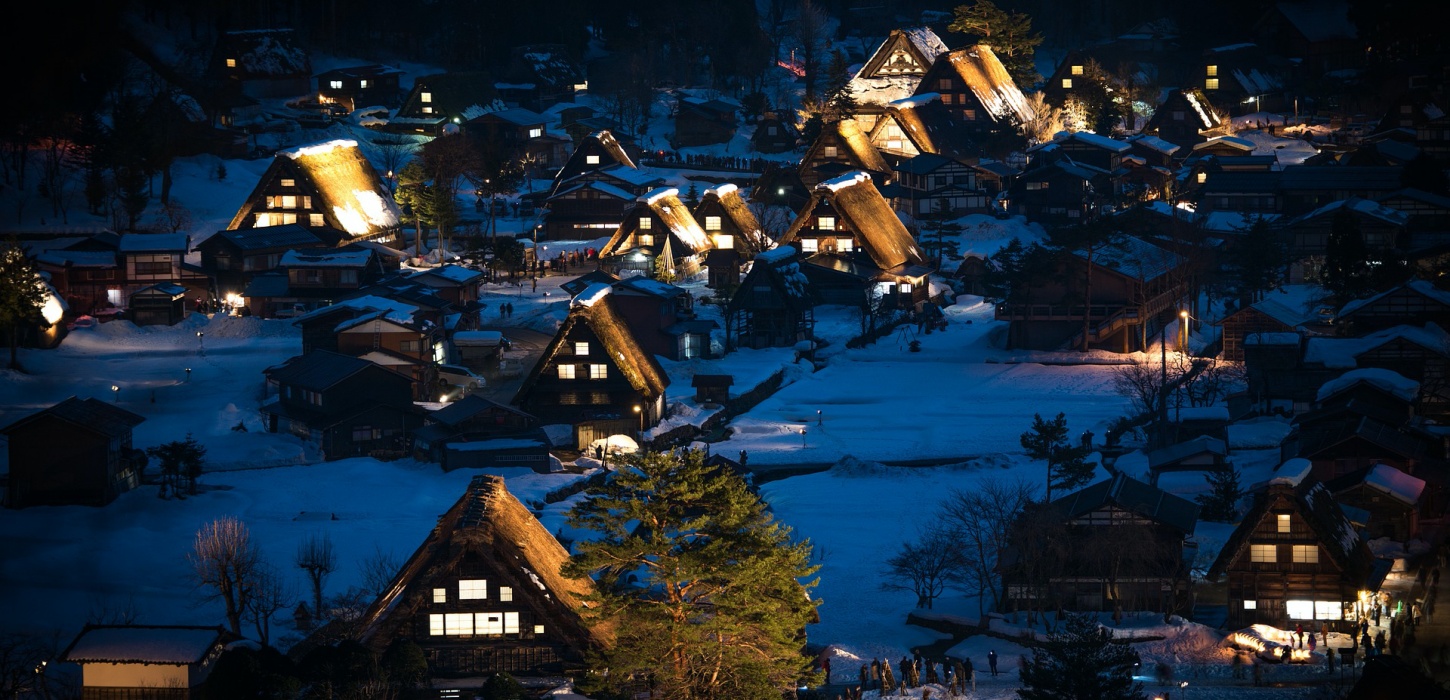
989	81
868	216
595	308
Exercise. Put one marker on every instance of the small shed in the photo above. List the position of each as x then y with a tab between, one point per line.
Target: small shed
162	304
712	388
1202	453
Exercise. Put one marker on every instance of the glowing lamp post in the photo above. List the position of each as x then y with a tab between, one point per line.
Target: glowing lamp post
116	393
803	438
188	374
200	344
639	415
818	417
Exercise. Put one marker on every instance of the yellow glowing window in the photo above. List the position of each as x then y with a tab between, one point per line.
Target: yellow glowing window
363	84
1067	83
646	223
1263	553
845	245
1210	84
427	110
712	223
829	151
581	347
724	241
440	595
646	239
538	629
1306	554
905	287
1213	71
566	371
472	589
1077	70
1284	525
826	223
591	160
316	220
289	201
231	63
1202	178
505	594
598	371
288	182
808	245
425	97
1251	605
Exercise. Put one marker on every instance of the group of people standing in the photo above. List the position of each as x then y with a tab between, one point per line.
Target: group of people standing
957	675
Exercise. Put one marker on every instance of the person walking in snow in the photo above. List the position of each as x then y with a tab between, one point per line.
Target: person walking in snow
1312	643
948	679
992	661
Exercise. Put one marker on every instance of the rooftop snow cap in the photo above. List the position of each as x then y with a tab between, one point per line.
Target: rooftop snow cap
591	295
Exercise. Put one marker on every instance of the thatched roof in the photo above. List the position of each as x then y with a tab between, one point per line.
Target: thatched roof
1312	502
926	122
989	81
780	269
487	520
851	144
867	215
594	307
726	200
664	204
353	196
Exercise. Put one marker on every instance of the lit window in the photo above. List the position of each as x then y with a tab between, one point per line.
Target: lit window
289	201
712	223
363	84
646	239
335	84
458	623
1299	609
829	151
1210	84
598	371
808	245
646	223
1263	553
893	144
970	114
306	201
724	241
505	594
826	223
944	84
1328	610
1077	70
231	63
591	160
566	371
1306	554
1067	83
1251	605
1284	525
435	625
315	220
489	623
472	589
1213	71
581	347
427	110
425	97
510	623
905	287
535	133
538	629
844	245
1202	178
946	99
288	182
440	595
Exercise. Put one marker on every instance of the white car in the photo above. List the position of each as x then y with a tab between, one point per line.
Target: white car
456	381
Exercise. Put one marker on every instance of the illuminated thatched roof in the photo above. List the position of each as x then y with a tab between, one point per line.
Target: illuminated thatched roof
989	81
725	201
595	308
350	194
867	215
925	121
664	206
488	523
853	146
606	151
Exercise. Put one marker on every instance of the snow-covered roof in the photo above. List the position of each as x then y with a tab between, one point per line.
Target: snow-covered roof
1135	258
1395	483
775	255
1255	81
926	41
77	258
1424	287
348	186
393	310
331	258
136	644
915	101
454	273
494	444
989	81
1359	205
836	184
1342	352
1240	143
1271	339
591	295
1390	381
1154	143
1099	141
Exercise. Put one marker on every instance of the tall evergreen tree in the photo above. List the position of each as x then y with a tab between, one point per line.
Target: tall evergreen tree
838	102
21	295
1256	262
1220	504
721	602
1008	33
1081	662
1067	465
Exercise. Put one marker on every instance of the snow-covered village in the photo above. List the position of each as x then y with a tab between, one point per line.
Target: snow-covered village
750	349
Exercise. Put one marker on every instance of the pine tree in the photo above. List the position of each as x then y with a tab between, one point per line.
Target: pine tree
838	102
1009	34
180	459
721	603
21	295
1220	504
1081	662
1257	261
1067	465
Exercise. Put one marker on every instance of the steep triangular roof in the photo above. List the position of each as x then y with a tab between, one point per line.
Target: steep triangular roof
88	414
780	269
600	143
909	51
1133	496
726	200
490	523
925	121
664	203
989	81
852	144
874	223
354	198
1319	510
595	308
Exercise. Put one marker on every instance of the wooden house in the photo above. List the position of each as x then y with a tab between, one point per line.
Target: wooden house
658	235
662	318
1186	118
1320	35
77	452
586	280
1429	213
319	326
595	375
1080	147
916	125
1287	371
1305	189
329	184
1060	192
712	388
856	248
263	63
774	134
1154	151
474	432
522	135
735	235
701	122
233	257
150	258
1125	545
1392	498
442	99
594	189
1295	559
399	342
539	75
347	406
977	91
1199	454
773	306
1265	316
483	595
88	280
1136	289
160	304
935	185
356	87
1414	303
1381	230
1240	79
310	279
146	661
455	284
894	70
843	144
1070	80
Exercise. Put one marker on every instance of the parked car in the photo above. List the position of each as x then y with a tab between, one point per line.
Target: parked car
457	381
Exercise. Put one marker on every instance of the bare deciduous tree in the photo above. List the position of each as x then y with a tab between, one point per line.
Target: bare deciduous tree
980	520
813	34
1046	120
923	567
171	217
318	559
268	597
378	570
224	560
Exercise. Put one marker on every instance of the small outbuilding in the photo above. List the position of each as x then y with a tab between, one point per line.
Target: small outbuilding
712	388
145	661
161	304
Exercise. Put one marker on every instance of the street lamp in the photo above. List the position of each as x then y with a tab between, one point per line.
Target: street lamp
188	374
200	344
803	438
1183	690
116	393
639	413
818	417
